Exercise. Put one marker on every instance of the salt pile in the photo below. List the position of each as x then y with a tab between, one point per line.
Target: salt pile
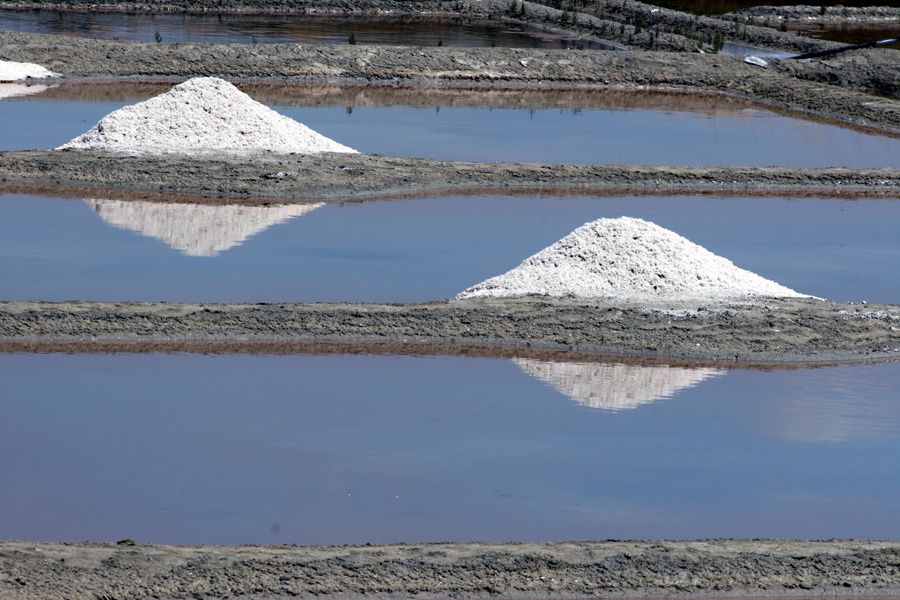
196	229
204	115
14	71
615	387
631	260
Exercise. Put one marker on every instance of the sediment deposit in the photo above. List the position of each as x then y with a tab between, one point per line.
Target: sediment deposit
775	331
337	177
710	568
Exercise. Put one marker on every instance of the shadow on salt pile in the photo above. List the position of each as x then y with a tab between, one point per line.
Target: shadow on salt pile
615	387
196	229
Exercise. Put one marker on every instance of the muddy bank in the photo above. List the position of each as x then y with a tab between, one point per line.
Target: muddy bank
338	177
796	330
419	97
632	24
804	88
718	568
829	15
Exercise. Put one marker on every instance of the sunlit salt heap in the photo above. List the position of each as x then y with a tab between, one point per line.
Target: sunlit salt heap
202	115
196	229
614	387
628	259
14	71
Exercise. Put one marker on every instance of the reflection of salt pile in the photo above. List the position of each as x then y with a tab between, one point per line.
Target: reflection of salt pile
196	229
14	90
204	114
14	71
614	387
627	259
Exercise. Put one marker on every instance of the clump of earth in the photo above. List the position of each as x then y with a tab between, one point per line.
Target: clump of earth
632	260
204	115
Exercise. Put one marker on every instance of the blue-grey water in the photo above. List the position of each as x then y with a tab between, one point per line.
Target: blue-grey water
248	29
721	136
412	250
334	449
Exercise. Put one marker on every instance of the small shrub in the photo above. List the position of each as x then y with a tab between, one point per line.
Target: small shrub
352	39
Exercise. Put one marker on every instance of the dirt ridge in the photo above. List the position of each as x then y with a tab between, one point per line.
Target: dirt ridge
338	177
770	331
704	568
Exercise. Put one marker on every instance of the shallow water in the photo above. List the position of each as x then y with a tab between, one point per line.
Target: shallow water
721	135
412	250
335	449
248	29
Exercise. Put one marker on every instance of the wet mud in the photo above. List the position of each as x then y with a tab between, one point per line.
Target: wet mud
709	569
760	332
821	88
339	177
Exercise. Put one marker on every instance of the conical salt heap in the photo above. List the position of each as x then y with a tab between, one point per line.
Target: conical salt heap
196	229
628	259
615	387
202	115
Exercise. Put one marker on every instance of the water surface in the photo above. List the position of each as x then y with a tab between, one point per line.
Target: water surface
341	449
247	29
412	250
720	135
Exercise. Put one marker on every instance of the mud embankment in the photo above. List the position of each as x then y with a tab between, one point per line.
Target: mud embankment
497	67
715	568
339	177
633	24
826	15
770	331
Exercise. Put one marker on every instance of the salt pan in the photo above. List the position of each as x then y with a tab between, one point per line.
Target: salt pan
202	115
628	259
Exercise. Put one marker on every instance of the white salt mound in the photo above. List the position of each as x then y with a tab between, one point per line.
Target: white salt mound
14	71
196	229
632	260
614	387
202	115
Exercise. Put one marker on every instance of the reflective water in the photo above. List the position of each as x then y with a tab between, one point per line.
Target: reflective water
413	250
248	29
334	449
630	132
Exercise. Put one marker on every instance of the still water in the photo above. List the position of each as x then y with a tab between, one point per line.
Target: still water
411	250
722	135
354	449
248	29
